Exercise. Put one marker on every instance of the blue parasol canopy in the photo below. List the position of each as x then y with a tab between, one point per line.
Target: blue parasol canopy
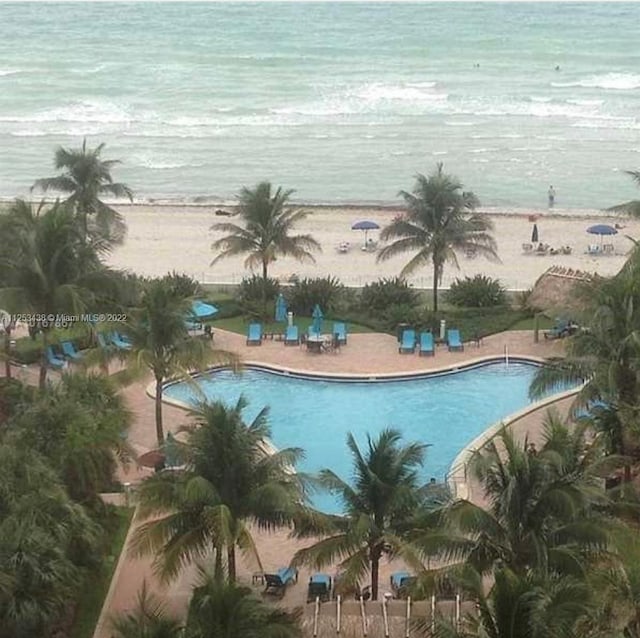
366	226
317	315
281	308
202	310
602	229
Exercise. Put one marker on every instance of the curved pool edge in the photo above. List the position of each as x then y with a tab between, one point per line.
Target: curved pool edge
457	475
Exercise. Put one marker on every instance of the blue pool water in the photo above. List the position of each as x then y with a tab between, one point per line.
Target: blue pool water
447	412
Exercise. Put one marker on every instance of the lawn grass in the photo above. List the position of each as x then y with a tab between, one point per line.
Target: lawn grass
91	597
240	324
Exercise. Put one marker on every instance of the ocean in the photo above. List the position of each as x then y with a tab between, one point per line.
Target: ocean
343	102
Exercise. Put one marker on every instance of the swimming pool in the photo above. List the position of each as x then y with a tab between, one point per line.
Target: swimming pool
447	412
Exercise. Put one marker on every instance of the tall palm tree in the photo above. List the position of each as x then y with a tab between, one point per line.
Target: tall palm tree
385	496
604	357
160	341
543	508
51	272
86	177
267	223
439	221
230	479
220	609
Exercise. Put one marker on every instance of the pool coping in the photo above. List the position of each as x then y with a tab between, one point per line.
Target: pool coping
456	477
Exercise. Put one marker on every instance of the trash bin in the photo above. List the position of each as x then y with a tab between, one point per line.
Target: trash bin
400	328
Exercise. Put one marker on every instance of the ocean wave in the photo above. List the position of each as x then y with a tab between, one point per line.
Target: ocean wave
608	122
535	98
586	102
161	164
5	72
483	150
377	92
617	81
85	111
460	123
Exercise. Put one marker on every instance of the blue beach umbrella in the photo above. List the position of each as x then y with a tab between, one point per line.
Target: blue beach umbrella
366	226
281	308
317	315
202	310
602	230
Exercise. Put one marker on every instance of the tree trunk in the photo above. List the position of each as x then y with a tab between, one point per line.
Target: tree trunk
265	266
374	556
7	349
231	563
42	380
435	287
217	569
159	430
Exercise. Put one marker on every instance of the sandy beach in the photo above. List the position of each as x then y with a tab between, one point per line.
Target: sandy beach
163	238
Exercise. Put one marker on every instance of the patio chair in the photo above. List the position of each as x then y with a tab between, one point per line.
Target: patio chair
400	584
593	249
453	340
291	336
408	342
69	351
319	587
120	342
254	334
560	329
340	329
54	360
426	344
276	584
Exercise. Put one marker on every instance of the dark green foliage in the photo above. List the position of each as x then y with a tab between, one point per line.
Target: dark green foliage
477	292
183	285
13	396
405	313
327	292
228	308
253	290
382	295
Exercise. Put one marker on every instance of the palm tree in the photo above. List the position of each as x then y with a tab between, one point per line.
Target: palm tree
220	609
384	497
160	341
230	479
51	271
631	208
86	177
604	357
148	619
543	508
438	222
265	233
529	605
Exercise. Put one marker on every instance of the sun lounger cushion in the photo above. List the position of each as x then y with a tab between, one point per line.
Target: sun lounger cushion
426	343
408	342
287	574
453	339
53	359
254	334
398	578
340	329
69	350
291	336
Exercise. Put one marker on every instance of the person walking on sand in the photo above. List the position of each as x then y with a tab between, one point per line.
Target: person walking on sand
552	196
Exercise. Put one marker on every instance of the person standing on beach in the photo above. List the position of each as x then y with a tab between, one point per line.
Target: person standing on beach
552	196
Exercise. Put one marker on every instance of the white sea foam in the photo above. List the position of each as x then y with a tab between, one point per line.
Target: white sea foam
86	111
617	81
4	72
536	98
460	123
586	102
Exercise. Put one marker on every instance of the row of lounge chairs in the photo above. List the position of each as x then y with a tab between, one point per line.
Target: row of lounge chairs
116	339
426	342
59	359
291	336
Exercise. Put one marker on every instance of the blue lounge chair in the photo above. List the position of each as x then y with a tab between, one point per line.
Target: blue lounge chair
562	328
319	587
453	340
102	341
54	360
426	344
408	342
192	325
400	583
254	334
69	350
119	342
277	583
291	336
340	329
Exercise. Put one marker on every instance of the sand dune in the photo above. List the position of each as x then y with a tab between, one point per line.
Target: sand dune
165	238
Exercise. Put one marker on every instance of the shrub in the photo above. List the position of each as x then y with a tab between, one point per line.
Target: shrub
384	294
254	290
477	292
184	285
404	313
327	292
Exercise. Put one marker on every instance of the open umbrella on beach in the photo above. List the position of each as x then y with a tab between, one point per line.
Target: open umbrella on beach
281	308
366	226
602	230
534	234
317	315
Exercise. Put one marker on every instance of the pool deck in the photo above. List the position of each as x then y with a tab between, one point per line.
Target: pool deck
373	354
